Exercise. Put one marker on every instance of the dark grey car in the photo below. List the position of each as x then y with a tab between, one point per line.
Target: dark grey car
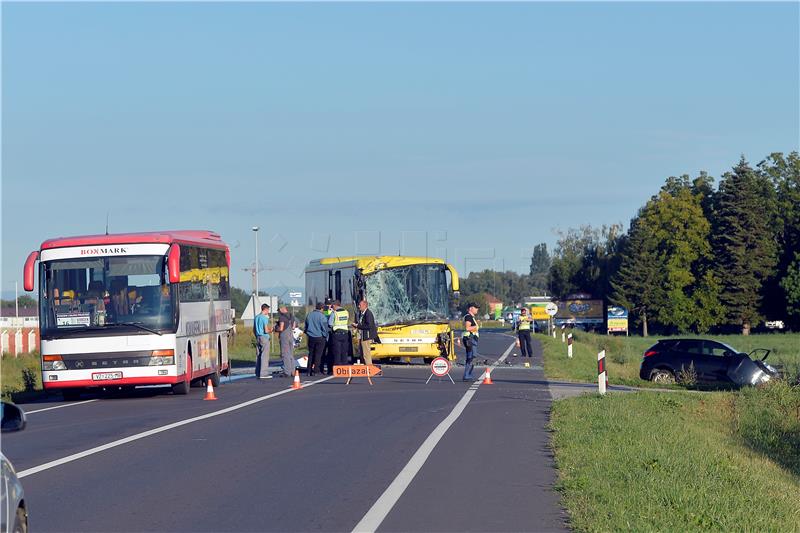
13	511
712	362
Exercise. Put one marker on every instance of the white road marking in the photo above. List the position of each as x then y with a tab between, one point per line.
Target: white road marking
59	406
381	508
126	440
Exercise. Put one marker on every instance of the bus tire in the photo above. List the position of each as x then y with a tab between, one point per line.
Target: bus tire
428	360
214	377
183	386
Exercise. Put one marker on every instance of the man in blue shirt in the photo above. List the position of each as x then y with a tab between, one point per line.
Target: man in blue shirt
317	333
262	329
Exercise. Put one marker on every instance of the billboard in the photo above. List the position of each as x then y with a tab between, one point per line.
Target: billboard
617	319
538	311
580	312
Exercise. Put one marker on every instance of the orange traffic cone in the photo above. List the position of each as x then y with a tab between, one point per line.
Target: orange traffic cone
210	392
296	382
487	377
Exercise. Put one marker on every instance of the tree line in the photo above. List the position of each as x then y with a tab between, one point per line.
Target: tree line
695	258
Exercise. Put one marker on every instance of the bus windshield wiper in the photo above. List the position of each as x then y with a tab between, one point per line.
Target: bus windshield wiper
136	325
67	332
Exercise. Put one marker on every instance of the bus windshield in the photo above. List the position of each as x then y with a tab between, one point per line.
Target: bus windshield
410	294
103	293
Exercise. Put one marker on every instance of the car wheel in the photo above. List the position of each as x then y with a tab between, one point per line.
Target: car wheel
660	375
21	521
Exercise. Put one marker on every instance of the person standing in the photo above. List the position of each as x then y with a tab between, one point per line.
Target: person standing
317	333
338	323
470	340
262	330
284	327
327	352
524	329
367	331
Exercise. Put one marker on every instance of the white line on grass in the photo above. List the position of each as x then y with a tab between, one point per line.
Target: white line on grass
120	442
381	508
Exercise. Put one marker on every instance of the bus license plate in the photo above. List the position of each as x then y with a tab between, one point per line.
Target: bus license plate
103	376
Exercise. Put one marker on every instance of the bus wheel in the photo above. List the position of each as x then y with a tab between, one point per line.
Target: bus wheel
183	386
214	377
428	360
71	395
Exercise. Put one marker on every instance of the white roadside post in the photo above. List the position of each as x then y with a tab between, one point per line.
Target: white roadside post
563	335
569	345
602	375
554	331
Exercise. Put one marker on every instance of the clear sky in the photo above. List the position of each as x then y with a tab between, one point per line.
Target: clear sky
471	131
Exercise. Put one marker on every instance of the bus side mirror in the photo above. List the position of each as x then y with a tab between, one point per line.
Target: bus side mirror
28	272
174	263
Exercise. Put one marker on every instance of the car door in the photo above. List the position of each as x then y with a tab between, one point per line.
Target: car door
714	361
686	355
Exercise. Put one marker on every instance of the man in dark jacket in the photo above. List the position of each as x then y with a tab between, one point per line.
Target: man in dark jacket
367	330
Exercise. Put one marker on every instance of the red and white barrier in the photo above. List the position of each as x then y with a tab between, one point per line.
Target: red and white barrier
569	345
602	374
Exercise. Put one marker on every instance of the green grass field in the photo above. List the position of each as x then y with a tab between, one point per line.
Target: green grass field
680	461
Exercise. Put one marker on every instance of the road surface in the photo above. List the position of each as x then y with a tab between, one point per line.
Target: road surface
396	456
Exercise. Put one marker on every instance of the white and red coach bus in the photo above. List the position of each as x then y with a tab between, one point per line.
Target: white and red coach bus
132	309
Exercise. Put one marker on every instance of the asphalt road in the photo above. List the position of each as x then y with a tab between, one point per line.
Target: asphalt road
396	456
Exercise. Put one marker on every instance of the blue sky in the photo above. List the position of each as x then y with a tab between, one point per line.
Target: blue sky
472	131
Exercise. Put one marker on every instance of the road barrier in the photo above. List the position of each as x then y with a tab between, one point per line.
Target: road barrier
356	371
569	345
602	374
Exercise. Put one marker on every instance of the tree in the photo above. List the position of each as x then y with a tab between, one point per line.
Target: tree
540	267
745	243
584	260
638	284
239	300
791	284
784	173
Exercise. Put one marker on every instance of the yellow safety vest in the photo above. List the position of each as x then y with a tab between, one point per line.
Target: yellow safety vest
524	323
477	326
341	318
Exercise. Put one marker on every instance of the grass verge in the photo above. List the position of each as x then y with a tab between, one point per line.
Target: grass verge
676	462
20	375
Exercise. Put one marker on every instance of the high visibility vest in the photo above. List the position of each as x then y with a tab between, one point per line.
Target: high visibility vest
477	326
524	323
340	320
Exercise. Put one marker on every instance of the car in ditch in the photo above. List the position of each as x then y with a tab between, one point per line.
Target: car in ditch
704	361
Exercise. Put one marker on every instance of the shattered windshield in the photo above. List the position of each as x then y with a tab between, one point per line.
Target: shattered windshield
417	293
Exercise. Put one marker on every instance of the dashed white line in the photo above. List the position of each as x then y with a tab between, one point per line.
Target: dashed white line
126	440
59	406
381	508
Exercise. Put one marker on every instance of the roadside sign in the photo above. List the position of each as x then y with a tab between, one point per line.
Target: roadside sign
356	371
539	312
551	309
295	303
298	295
440	367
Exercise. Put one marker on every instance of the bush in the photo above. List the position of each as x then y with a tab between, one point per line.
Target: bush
20	374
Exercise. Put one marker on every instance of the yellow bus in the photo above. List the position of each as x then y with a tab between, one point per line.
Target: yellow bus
410	297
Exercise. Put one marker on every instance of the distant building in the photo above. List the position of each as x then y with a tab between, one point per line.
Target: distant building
495	306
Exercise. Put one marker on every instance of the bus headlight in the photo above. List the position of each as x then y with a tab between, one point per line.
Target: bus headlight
162	357
53	362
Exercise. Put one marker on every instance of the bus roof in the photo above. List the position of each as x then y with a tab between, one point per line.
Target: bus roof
197	237
372	263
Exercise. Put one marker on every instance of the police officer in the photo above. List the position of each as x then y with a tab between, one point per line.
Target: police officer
327	352
338	323
470	339
524	329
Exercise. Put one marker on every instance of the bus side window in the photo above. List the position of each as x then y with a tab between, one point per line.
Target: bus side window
338	283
